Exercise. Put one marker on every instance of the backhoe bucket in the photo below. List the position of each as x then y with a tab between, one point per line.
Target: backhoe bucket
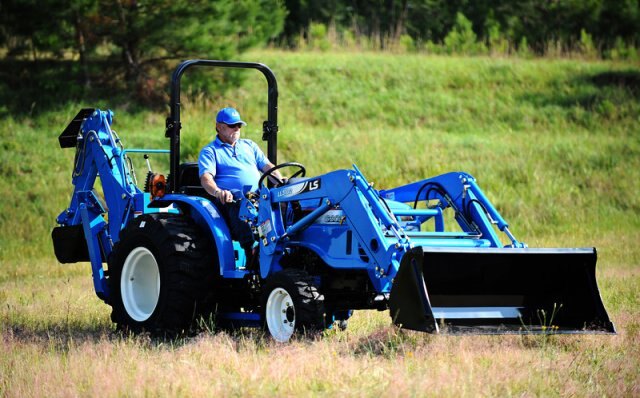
491	290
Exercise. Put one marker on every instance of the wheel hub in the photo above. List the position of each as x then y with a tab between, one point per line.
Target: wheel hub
280	315
290	314
140	284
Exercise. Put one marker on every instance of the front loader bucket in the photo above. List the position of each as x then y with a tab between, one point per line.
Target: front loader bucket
491	290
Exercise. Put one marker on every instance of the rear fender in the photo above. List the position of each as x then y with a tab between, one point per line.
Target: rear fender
209	218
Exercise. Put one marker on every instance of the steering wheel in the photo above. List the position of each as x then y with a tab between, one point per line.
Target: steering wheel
269	173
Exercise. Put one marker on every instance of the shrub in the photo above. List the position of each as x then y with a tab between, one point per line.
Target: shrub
318	37
621	51
495	40
587	48
407	44
523	48
462	39
348	39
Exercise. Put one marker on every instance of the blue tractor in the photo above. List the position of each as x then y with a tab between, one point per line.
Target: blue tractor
163	258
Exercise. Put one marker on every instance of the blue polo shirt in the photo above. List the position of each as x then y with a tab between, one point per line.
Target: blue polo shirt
233	167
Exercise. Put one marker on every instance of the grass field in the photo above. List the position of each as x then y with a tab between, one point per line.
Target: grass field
554	143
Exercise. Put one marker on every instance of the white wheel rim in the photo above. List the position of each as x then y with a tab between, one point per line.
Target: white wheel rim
140	284
281	315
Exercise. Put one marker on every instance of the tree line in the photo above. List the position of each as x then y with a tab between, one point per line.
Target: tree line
538	22
135	38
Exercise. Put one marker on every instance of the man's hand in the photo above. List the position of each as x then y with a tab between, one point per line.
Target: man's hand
223	196
210	186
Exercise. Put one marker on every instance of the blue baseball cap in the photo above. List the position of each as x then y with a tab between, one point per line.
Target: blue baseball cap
229	116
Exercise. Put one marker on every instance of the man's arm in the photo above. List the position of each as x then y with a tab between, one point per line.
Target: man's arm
212	188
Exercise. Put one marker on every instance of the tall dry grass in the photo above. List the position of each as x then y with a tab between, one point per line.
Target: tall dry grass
366	361
57	341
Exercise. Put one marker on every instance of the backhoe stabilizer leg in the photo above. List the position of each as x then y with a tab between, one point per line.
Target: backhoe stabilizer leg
409	304
91	230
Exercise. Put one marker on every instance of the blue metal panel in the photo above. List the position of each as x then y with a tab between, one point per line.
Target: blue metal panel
240	319
207	216
330	243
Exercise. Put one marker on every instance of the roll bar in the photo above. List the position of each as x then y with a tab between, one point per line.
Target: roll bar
173	125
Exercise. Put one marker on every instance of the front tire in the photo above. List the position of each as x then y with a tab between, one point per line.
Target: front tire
161	275
292	303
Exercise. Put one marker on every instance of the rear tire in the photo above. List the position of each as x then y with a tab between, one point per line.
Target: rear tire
292	303
161	275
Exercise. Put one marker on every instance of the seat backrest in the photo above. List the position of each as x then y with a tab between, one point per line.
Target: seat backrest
190	180
189	174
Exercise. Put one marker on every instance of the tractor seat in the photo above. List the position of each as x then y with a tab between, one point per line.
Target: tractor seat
190	180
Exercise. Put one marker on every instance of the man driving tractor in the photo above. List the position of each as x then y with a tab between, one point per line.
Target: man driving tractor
230	166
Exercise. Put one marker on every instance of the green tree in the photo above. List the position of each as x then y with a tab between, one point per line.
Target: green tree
28	29
462	39
618	20
148	34
494	37
302	13
136	37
